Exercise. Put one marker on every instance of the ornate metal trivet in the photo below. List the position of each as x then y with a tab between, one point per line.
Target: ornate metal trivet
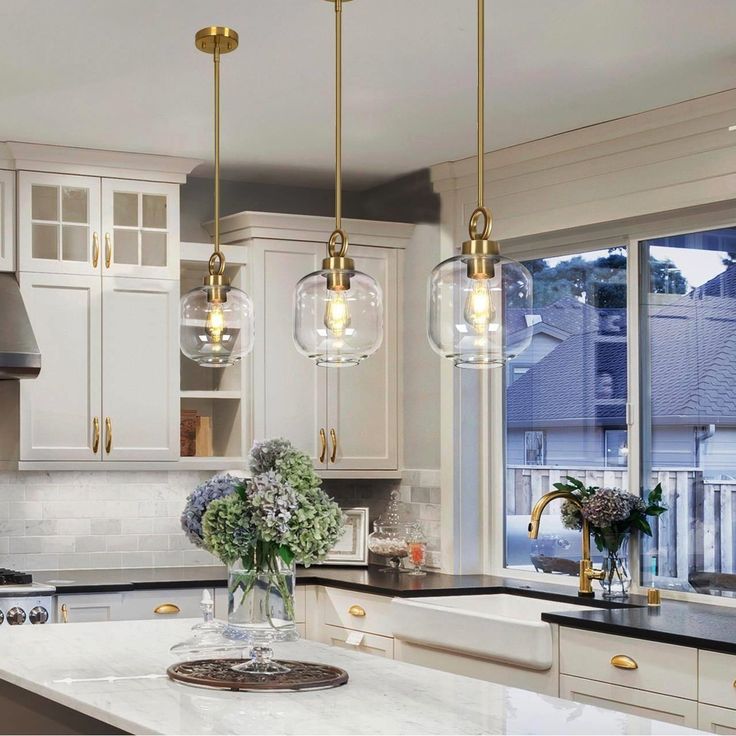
219	673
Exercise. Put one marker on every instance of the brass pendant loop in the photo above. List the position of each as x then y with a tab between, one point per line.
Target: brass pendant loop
340	236
485	213
216	264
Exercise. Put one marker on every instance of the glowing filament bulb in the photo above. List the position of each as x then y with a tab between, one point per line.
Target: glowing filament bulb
337	314
479	311
215	324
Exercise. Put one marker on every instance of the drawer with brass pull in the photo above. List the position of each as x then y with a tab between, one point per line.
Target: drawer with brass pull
359	611
717	679
636	663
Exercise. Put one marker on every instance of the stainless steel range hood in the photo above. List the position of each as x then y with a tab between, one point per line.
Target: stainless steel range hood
19	353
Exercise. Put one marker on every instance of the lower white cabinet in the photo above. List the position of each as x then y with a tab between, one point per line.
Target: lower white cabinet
133	605
716	720
358	641
629	700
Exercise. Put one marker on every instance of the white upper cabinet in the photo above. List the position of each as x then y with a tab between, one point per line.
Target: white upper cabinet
362	417
347	419
140	229
7	220
140	369
290	393
58	223
61	409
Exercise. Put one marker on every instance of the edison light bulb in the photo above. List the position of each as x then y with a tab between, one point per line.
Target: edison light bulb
337	314
479	311
215	324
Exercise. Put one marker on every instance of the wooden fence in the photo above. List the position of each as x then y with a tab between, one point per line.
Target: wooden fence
696	534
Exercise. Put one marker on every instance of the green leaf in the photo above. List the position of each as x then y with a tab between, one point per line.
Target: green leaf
286	554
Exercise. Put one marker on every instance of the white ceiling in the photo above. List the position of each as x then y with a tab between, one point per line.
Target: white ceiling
125	75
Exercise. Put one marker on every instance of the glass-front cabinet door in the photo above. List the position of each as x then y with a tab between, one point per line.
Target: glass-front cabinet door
140	229
58	223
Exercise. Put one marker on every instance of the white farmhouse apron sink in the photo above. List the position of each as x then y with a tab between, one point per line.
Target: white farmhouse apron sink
502	627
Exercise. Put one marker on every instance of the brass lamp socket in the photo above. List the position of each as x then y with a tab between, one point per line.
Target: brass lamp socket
218	286
481	257
340	269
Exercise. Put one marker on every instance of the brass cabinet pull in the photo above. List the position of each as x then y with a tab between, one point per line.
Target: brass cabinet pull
95	434
323	445
333	437
64	614
95	250
167	608
108	435
108	250
356	610
624	663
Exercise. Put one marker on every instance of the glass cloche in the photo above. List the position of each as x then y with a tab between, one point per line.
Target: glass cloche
389	536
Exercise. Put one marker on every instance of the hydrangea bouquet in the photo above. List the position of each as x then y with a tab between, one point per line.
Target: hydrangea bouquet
260	527
612	515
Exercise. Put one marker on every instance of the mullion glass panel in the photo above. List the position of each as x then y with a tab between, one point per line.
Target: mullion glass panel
565	400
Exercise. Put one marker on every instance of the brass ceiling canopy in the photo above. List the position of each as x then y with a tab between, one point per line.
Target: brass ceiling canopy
217	37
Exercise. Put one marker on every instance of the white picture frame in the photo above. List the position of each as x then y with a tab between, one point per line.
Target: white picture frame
352	547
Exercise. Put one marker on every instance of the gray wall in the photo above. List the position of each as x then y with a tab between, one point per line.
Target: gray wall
407	199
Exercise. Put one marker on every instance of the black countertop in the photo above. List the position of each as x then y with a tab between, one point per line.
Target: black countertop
674	622
699	625
361	579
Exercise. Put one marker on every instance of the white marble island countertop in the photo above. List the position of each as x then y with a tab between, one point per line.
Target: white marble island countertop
116	672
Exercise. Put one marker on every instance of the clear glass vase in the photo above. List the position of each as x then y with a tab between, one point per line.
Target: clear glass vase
261	609
617	579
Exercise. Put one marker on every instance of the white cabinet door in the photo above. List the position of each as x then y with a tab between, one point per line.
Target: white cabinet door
59	408
7	221
140	368
289	399
140	229
58	223
82	608
716	720
363	400
628	700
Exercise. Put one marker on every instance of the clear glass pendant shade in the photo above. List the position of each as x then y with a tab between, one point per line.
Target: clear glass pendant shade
216	326
480	320
338	327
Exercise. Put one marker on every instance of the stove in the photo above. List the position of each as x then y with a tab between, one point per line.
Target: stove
22	601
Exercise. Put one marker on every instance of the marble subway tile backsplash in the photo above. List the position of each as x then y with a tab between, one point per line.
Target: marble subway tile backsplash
77	520
73	520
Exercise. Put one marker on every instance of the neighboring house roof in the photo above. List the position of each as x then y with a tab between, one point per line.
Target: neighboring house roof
693	362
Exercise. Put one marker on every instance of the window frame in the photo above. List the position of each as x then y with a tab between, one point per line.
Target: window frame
638	415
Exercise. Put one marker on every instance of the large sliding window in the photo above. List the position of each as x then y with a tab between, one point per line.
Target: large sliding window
565	403
565	398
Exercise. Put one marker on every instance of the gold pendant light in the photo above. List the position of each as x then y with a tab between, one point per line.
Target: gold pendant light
217	326
338	311
470	292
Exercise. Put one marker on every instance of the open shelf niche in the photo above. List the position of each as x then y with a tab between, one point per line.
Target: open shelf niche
217	393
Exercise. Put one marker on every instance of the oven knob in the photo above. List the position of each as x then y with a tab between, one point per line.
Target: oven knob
38	615
16	616
2	617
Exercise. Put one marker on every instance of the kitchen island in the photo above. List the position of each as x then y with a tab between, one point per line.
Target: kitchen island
111	677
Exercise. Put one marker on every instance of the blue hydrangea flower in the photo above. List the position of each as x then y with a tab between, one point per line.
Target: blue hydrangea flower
198	501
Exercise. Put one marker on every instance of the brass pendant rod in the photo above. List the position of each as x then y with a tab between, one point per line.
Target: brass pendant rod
481	96
216	60
338	114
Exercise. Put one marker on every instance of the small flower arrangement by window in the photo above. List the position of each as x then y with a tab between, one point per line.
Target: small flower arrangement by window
613	515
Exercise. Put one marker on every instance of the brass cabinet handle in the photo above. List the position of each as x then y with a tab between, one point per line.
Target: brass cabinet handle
64	614
356	610
108	435
108	250
95	434
333	437
323	445
166	608
95	250
624	663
